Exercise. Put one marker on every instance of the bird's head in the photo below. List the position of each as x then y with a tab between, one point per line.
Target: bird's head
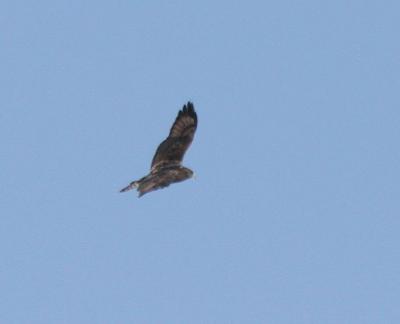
189	173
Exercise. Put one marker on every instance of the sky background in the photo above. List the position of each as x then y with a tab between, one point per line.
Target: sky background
294	216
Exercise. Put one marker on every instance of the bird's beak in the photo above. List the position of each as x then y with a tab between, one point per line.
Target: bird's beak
194	176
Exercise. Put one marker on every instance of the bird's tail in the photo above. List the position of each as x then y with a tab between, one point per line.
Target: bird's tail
132	185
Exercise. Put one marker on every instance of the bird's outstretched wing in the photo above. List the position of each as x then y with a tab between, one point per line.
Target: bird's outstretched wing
173	148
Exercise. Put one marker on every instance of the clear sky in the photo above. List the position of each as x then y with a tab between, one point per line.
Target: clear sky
294	216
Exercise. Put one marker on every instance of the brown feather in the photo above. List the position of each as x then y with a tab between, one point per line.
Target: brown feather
166	165
173	148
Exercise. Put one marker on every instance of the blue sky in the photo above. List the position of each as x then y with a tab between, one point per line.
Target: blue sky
294	215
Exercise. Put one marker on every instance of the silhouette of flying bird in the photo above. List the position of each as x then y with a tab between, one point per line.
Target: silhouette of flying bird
166	166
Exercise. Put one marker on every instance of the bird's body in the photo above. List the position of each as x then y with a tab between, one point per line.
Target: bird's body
166	165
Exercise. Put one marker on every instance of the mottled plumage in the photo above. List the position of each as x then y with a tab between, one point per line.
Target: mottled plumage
166	165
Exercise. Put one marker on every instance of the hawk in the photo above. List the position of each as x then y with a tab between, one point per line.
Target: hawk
166	166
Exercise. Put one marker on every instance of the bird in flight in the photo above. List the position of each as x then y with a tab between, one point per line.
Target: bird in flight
166	166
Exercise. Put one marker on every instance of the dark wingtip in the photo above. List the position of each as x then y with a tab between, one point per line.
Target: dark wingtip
190	105
189	109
